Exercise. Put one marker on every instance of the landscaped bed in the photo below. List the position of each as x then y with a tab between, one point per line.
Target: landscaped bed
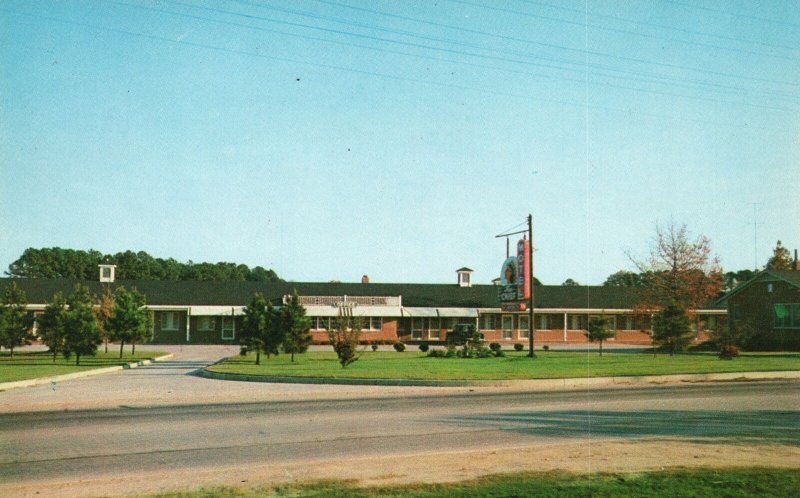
32	365
546	365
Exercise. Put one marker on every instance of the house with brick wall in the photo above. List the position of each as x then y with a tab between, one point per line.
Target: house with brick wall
770	304
205	312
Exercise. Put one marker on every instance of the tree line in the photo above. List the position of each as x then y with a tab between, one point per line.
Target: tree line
55	262
75	325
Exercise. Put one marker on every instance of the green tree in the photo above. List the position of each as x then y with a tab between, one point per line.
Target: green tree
344	335
731	336
781	259
130	321
672	329
15	322
255	322
81	335
570	283
52	324
624	278
733	279
104	311
297	326
599	330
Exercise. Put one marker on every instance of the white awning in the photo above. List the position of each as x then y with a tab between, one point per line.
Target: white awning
458	312
216	310
384	311
420	312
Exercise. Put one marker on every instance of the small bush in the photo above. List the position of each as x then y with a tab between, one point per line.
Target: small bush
728	352
399	347
499	353
437	353
546	347
243	351
374	346
451	352
518	347
495	346
424	347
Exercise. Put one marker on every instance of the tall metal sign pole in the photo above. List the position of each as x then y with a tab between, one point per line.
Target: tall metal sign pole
531	324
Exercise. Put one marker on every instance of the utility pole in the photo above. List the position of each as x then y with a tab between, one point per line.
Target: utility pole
755	236
531	325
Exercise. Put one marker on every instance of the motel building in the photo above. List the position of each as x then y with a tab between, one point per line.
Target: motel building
202	312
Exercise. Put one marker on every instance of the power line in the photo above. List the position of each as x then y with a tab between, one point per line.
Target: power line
615	30
732	14
608	85
579	70
582	105
541	44
660	26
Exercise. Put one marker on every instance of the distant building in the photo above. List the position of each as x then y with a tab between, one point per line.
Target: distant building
203	312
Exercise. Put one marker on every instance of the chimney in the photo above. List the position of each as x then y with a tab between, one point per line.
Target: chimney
364	279
464	277
107	273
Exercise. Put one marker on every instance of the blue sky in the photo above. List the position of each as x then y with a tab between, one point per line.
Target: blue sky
330	139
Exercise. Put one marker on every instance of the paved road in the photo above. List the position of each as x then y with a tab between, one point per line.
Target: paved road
145	428
179	440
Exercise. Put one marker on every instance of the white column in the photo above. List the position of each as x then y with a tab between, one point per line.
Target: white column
188	316
565	326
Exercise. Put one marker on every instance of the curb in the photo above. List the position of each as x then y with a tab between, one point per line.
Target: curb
568	383
4	386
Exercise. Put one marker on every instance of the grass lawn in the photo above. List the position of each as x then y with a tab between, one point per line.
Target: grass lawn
40	364
547	365
677	483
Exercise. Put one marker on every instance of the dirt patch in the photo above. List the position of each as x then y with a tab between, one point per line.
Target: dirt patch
581	457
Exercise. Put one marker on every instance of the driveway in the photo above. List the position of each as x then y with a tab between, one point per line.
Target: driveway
170	382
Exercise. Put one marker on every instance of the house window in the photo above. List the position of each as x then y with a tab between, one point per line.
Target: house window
628	323
206	323
375	323
416	328
228	328
488	322
169	320
575	322
508	326
787	316
711	323
769	288
523	322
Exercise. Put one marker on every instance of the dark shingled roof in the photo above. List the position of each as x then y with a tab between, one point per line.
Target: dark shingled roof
195	293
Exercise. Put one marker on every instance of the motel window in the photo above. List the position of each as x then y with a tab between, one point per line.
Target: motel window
523	322
787	316
206	323
228	328
416	328
508	326
488	322
433	328
544	322
169	320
